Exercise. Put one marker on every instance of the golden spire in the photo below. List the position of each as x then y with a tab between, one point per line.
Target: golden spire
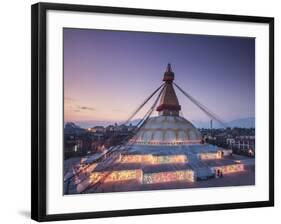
169	104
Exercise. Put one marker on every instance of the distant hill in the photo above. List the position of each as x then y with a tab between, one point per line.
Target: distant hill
243	123
240	123
92	123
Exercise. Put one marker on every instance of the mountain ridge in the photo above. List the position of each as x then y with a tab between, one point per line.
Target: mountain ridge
248	122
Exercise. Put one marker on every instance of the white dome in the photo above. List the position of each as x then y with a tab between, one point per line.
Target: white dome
167	130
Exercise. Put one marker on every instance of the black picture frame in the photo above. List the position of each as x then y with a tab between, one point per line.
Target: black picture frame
39	122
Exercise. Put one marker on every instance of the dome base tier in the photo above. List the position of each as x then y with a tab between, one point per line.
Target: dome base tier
167	130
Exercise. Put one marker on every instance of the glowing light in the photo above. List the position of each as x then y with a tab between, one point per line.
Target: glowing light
231	168
138	176
115	176
151	159
211	155
171	176
137	158
153	142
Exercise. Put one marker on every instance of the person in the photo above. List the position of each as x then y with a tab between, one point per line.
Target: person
220	174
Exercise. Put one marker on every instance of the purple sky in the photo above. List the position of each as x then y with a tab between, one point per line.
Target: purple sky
107	74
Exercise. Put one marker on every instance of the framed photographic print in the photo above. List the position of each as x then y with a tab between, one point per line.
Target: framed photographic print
138	111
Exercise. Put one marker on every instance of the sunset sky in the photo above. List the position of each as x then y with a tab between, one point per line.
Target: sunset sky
107	74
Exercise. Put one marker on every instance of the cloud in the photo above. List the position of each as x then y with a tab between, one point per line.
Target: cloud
86	108
71	105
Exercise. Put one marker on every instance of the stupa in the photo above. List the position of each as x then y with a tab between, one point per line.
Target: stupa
168	128
167	150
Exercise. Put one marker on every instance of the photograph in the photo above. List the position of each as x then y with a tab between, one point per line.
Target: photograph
153	111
